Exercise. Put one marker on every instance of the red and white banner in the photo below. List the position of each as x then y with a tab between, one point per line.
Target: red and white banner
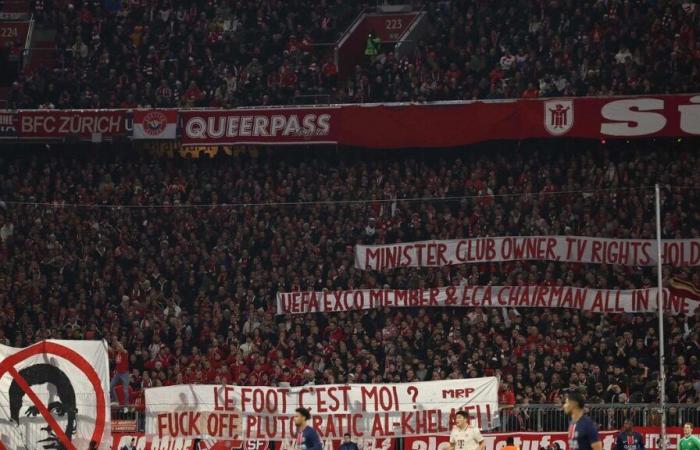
578	249
155	124
55	394
260	126
83	124
447	124
461	123
584	299
364	411
547	440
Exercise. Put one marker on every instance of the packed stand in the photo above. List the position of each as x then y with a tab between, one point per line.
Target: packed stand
111	247
513	49
228	54
168	53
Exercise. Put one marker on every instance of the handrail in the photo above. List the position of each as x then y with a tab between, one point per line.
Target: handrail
350	27
27	43
393	104
30	32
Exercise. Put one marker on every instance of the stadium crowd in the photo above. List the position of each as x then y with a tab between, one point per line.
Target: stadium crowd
226	54
110	246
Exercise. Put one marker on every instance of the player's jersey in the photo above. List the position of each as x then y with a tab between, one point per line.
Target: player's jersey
467	439
582	434
629	441
689	443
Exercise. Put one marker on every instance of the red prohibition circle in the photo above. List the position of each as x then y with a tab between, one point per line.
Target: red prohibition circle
75	359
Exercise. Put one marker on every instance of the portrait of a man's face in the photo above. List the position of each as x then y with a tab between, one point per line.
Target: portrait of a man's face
56	392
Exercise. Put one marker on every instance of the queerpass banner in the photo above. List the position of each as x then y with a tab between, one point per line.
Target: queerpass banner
584	299
365	411
260	126
625	252
448	124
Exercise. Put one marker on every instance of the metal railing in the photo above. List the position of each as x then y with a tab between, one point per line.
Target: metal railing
607	416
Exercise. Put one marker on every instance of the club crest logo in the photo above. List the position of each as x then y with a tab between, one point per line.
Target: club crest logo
154	123
558	116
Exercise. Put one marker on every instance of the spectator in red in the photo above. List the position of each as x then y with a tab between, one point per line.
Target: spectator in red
506	396
531	91
121	372
193	94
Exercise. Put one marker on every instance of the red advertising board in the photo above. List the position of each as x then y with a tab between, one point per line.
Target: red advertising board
466	123
141	442
537	440
260	126
83	124
399	125
493	441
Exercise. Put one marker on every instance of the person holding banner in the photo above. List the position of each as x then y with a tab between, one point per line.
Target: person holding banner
307	437
464	436
583	434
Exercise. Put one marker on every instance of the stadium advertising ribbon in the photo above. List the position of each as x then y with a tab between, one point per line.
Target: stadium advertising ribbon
625	252
365	411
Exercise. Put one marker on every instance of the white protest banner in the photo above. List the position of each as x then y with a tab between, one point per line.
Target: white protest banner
55	393
584	299
364	410
626	252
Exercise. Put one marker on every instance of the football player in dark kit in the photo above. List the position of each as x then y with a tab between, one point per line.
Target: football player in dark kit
629	439
307	437
583	434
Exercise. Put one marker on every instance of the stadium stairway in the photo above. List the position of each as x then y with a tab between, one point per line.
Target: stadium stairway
37	44
42	51
398	27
